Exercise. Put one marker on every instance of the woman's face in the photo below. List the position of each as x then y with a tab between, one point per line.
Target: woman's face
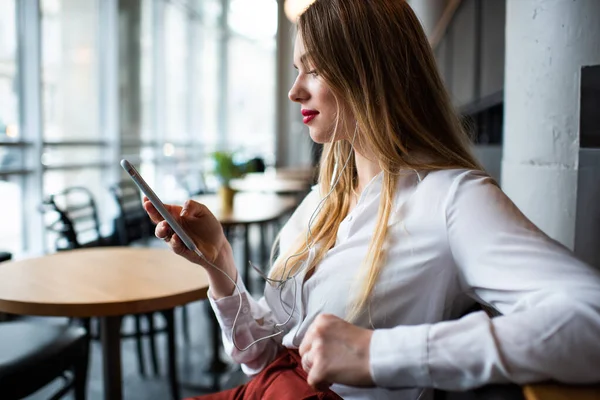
318	105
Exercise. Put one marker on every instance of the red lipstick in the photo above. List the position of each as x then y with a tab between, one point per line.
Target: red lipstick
309	115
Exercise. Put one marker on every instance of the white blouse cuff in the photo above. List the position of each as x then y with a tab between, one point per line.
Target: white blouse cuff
398	357
226	308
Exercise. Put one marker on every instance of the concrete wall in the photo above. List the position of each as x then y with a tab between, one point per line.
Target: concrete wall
543	169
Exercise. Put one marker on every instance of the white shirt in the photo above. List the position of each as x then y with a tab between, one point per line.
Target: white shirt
454	239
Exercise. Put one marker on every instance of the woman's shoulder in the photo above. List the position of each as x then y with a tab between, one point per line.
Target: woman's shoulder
452	175
438	187
447	180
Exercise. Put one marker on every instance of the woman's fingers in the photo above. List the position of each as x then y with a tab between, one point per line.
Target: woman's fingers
163	231
154	214
306	363
177	245
317	378
192	208
200	225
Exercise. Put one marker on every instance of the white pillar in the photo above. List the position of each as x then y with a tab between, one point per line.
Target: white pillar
547	43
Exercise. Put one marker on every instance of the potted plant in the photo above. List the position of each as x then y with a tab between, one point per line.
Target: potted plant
225	169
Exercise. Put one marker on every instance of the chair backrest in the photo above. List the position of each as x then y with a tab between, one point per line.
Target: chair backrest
5	256
133	222
256	164
193	182
72	215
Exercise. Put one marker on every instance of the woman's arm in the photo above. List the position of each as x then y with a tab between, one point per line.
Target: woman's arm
256	319
550	300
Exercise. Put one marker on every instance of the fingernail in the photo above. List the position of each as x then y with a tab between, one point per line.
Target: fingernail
183	213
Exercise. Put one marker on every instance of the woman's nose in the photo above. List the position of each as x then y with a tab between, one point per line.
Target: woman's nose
297	93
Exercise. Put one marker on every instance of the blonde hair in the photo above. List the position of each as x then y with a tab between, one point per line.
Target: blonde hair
377	61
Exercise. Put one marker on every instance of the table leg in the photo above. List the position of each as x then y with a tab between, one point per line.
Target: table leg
264	256
264	253
172	352
110	332
216	364
246	258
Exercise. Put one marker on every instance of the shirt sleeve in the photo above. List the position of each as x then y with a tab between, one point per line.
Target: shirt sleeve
256	320
549	299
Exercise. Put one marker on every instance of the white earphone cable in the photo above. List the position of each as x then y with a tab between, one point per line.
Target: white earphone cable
286	277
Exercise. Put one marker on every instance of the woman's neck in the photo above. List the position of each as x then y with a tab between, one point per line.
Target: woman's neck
366	170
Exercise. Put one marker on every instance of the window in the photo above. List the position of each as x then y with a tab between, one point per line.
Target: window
75	151
177	56
189	75
11	209
70	69
251	76
9	100
206	76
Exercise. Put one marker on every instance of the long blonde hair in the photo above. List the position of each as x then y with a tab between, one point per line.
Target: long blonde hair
377	61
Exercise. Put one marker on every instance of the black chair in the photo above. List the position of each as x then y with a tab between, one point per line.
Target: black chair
132	225
71	215
4	257
194	183
34	354
256	164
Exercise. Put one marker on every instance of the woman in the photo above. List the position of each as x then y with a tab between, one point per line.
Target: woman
403	235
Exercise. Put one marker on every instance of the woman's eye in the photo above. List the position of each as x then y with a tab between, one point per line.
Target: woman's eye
313	73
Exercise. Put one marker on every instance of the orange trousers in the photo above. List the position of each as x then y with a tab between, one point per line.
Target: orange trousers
283	379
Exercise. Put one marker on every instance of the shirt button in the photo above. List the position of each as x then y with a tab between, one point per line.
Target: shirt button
350	218
245	310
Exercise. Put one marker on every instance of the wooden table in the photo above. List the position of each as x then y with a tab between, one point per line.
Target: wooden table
303	173
270	184
106	282
552	391
249	208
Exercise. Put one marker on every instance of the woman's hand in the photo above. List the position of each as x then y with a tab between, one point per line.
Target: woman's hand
335	351
200	225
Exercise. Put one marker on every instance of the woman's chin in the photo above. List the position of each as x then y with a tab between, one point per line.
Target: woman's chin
319	137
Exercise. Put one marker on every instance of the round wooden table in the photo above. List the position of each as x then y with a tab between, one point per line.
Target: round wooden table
105	282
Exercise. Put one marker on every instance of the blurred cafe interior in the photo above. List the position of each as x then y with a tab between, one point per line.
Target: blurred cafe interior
194	93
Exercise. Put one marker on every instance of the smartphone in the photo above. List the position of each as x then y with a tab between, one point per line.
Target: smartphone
160	207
